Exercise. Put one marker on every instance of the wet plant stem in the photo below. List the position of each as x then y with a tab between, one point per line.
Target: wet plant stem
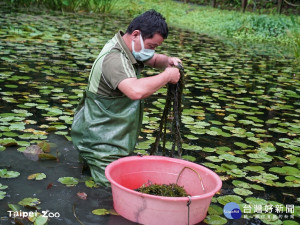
172	112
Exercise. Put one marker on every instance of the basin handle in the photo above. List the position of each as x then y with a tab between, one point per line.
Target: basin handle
186	167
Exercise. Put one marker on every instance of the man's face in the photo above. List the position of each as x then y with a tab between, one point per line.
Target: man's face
155	41
149	43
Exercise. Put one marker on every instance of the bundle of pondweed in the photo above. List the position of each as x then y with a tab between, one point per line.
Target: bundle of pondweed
166	190
172	113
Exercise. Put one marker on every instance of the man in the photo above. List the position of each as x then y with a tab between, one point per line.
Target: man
108	119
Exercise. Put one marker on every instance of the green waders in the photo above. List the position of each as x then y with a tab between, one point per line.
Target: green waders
105	129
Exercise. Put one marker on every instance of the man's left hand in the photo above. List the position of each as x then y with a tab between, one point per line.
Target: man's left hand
173	61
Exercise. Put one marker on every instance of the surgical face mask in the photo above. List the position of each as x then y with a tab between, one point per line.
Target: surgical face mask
143	54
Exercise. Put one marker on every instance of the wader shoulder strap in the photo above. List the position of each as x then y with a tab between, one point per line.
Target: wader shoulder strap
95	63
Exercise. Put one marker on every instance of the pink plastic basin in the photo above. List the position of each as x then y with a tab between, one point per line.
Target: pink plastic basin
129	173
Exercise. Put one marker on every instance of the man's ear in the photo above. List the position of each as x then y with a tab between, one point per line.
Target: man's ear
135	34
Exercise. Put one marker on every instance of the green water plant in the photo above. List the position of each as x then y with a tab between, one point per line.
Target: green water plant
103	6
166	190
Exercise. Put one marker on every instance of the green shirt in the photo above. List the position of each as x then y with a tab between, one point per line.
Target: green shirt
114	64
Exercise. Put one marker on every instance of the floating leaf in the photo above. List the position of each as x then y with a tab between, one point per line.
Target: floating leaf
189	158
254	168
2	195
37	176
100	212
8	142
242	191
29	202
91	184
215	210
260	157
213	158
215	219
286	170
267	147
232	158
223	200
191	147
4	173
237	173
68	181
256	201
2	187
14	207
41	220
290	222
45	146
242	145
113	212
47	156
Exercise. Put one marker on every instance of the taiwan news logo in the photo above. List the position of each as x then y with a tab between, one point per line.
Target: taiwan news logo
232	211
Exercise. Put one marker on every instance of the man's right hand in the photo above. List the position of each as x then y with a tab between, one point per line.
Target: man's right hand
173	74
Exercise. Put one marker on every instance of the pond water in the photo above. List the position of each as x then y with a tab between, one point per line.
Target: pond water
241	118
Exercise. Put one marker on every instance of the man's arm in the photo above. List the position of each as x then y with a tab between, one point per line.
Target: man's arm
141	88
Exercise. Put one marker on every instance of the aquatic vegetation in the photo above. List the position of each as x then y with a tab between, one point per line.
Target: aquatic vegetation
172	112
100	212
4	173
166	190
37	176
68	181
103	6
29	202
246	29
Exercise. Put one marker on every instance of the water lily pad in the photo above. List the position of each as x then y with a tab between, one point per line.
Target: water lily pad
215	219
215	210
2	187
191	147
4	173
256	201
271	218
37	176
29	202
223	200
264	178
213	158
242	191
260	157
8	142
41	220
207	149
267	147
232	158
189	158
44	146
240	184
2	195
100	212
91	184
254	168
68	181
286	170
290	222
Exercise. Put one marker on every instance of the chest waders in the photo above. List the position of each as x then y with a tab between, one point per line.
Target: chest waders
105	129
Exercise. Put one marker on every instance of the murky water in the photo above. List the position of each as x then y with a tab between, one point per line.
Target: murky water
240	118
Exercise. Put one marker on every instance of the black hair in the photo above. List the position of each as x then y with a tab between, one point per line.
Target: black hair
149	23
